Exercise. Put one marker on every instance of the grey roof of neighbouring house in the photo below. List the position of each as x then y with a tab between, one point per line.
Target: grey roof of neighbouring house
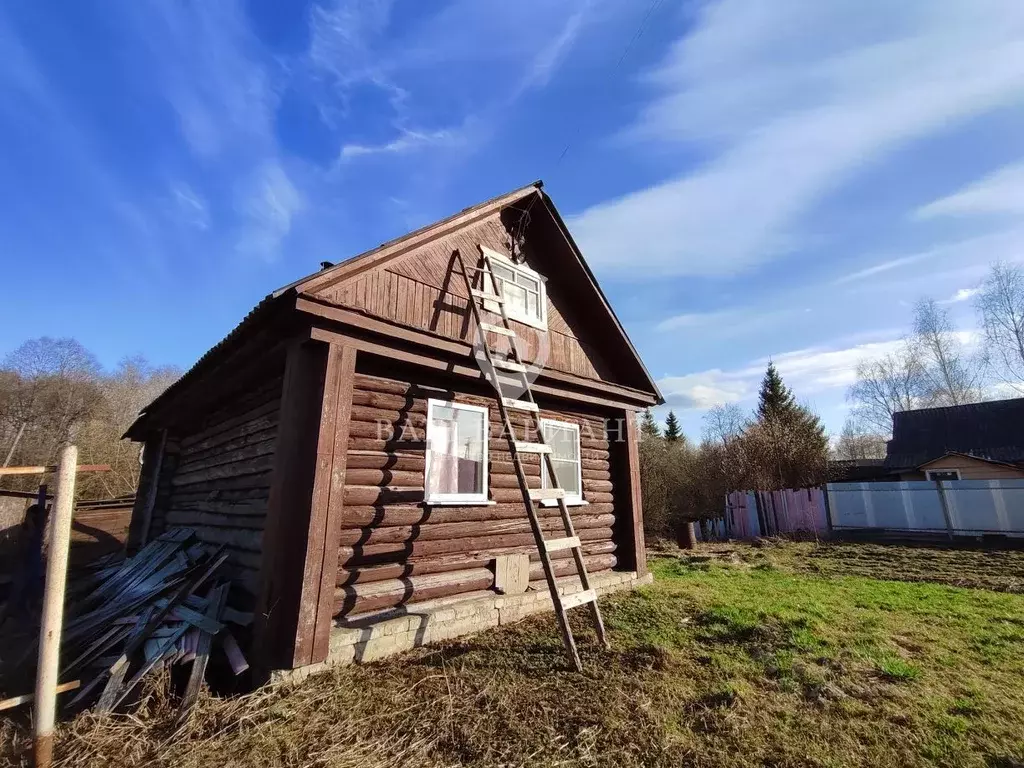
991	430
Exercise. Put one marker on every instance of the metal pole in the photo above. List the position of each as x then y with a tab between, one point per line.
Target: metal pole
53	609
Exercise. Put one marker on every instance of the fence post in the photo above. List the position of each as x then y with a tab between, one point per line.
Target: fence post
945	508
53	609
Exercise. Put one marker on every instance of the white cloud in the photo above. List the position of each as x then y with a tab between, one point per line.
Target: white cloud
204	60
795	98
728	323
884	266
964	294
407	141
808	372
190	206
509	48
267	204
1001	192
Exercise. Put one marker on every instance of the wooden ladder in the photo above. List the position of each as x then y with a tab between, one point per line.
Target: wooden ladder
511	363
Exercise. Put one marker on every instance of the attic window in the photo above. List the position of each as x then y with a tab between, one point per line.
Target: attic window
942	474
524	291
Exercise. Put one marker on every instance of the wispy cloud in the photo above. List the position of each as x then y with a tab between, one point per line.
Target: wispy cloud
189	206
356	50
809	372
885	266
795	99
267	204
730	323
999	193
407	141
964	294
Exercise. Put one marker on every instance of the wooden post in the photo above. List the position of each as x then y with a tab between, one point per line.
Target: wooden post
300	554
945	508
53	609
636	506
149	486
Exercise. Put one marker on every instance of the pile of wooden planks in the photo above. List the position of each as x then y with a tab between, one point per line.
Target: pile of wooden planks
163	606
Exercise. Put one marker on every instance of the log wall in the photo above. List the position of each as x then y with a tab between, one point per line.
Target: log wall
218	479
395	550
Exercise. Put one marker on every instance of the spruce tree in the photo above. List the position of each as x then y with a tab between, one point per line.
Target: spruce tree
648	426
776	399
791	445
672	430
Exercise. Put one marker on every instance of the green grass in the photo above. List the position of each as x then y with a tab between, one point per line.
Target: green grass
787	654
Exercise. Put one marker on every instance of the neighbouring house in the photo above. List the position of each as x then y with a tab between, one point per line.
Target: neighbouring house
345	447
979	441
856	470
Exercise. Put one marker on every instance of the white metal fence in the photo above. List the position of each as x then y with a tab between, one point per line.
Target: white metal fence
957	507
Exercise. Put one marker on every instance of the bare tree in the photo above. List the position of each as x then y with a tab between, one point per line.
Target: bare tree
952	377
896	382
857	442
54	390
1001	306
724	423
51	385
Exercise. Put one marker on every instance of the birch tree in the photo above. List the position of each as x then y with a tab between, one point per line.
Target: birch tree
1001	307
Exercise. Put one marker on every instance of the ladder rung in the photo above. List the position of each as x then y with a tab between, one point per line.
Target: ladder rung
490	328
509	365
532	447
486	295
520	405
569	542
579	598
546	494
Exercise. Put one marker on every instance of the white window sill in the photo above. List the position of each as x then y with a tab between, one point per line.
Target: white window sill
568	503
448	503
533	322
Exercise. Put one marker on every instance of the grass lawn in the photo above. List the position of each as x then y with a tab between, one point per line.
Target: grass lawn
785	654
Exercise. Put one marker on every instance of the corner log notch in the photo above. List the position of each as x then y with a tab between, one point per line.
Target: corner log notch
300	553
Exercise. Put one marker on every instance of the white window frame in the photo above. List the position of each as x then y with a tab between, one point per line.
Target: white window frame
460	499
510	310
545	480
928	473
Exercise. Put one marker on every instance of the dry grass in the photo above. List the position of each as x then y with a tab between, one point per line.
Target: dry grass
733	657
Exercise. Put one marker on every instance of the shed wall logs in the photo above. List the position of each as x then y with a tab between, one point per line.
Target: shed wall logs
396	550
221	480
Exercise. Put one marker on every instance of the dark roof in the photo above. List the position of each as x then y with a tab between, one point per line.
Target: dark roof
992	430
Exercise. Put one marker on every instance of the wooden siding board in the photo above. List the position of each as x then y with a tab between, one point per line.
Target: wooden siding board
418	286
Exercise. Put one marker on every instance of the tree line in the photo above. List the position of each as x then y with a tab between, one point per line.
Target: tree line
54	391
782	444
937	365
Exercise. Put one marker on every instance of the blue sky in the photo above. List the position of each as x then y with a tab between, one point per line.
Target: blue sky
749	179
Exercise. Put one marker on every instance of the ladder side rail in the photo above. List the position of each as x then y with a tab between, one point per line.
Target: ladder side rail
538	534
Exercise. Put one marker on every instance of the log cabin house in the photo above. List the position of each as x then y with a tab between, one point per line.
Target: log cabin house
344	445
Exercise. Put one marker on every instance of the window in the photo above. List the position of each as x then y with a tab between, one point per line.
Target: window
524	291
564	439
942	474
456	453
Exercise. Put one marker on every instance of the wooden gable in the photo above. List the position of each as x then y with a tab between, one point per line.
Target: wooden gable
420	287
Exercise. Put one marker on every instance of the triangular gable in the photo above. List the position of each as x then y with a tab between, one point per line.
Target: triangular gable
586	337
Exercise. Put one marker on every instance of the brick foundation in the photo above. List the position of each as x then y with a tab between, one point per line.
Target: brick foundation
377	636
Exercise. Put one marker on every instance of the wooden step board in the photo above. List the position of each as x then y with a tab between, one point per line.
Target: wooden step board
497	360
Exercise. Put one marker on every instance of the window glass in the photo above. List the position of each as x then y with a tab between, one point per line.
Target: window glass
502	272
564	440
522	290
456	453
